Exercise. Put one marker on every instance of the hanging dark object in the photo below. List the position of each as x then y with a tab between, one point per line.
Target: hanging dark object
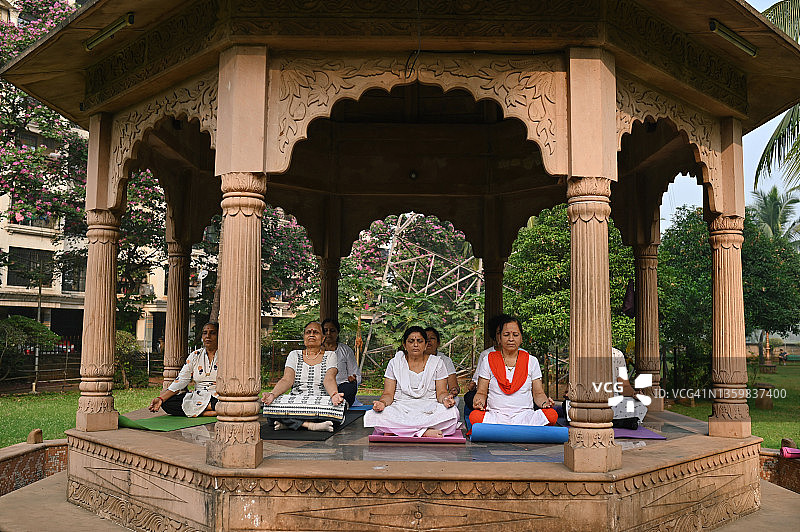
629	301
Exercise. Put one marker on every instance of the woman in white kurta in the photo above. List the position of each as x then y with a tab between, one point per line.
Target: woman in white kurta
200	367
415	400
314	402
509	381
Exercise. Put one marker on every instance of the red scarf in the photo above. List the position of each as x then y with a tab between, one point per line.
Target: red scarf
498	367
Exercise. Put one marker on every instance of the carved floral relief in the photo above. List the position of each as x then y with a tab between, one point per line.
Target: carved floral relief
195	99
636	102
531	88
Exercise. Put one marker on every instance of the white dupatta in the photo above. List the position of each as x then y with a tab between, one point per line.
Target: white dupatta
403	376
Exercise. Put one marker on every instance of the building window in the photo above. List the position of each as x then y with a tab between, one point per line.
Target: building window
26	138
30	267
45	222
73	278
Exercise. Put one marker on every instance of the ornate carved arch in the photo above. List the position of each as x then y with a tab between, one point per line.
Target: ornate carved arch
637	102
530	88
195	99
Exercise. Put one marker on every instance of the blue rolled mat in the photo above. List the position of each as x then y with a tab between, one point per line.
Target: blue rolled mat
518	433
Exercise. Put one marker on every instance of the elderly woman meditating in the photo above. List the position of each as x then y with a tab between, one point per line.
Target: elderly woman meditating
415	400
509	382
200	367
314	403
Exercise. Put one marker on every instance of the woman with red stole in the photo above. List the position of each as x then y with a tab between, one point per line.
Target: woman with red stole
509	382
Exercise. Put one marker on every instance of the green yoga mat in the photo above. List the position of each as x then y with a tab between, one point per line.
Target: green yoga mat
164	423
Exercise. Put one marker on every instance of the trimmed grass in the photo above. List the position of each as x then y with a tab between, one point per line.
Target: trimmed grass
54	412
783	421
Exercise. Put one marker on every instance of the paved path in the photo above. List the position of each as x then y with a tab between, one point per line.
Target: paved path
780	512
43	507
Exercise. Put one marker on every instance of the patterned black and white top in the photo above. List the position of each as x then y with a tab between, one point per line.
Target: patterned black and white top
308	397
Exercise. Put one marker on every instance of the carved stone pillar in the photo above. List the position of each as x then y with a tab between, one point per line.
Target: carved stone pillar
237	440
493	290
730	416
96	404
648	358
176	334
591	439
329	287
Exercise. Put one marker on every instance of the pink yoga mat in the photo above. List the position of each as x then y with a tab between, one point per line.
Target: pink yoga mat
458	437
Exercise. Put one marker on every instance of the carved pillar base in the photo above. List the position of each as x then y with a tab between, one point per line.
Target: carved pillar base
720	423
96	404
592	451
236	445
591	445
237	440
730	416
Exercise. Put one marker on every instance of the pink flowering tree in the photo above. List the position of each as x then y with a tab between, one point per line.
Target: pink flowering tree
42	157
43	172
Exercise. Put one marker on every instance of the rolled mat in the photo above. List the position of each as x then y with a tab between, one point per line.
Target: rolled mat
788	452
490	432
458	437
164	423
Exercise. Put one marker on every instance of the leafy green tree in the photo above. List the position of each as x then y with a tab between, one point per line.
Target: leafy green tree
783	147
770	280
537	280
684	282
17	333
773	212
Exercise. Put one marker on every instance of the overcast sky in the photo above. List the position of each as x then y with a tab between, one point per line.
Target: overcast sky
685	191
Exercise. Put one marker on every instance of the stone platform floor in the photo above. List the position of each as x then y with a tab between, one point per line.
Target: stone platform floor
132	475
351	444
42	507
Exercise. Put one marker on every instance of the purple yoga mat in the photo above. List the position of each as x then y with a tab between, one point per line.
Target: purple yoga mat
640	434
385	438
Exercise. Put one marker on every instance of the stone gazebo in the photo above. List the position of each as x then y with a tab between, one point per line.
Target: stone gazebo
479	112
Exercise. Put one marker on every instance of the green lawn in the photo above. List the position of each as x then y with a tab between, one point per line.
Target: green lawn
783	421
54	412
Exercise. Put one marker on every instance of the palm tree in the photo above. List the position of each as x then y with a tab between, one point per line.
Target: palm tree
774	213
783	148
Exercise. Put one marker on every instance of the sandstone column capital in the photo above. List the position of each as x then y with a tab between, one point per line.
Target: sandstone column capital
243	183
581	187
